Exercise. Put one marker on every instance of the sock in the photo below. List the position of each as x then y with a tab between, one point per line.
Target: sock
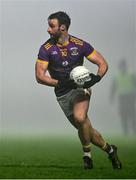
108	148
87	154
87	150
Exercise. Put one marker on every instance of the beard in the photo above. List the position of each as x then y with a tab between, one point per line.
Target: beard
55	37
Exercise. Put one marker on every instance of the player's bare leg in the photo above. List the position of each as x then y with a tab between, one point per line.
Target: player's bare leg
95	137
88	134
84	127
85	130
80	115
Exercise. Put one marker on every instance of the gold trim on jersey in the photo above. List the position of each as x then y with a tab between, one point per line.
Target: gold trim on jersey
90	55
42	61
48	46
76	41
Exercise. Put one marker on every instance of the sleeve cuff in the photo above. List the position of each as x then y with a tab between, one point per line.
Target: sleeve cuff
42	61
91	54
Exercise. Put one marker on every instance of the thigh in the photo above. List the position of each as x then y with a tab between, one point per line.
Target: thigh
66	104
80	108
74	102
81	103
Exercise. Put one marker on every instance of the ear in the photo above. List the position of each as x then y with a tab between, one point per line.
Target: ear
62	27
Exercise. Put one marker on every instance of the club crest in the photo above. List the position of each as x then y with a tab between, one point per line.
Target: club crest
74	51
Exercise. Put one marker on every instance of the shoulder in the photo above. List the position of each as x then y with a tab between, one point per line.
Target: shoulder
76	40
47	45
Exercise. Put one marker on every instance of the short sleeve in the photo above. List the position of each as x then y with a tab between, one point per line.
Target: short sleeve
43	55
88	49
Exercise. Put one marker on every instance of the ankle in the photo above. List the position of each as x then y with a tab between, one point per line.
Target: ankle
87	148
107	148
87	151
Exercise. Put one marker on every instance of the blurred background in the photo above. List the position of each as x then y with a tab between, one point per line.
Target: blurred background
29	108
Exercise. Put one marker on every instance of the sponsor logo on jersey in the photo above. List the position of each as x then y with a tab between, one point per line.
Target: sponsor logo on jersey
74	51
65	63
54	52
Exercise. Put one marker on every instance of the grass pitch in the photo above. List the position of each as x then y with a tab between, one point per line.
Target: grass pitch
49	157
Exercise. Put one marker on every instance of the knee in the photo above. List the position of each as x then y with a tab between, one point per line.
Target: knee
80	118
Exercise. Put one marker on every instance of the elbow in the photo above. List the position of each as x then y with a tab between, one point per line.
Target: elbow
38	80
103	68
106	66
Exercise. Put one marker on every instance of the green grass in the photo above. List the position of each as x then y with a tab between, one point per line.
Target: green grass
59	157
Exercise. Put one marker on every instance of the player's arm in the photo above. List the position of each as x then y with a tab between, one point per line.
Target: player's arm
96	58
42	77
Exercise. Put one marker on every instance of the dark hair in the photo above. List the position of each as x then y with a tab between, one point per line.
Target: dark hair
62	18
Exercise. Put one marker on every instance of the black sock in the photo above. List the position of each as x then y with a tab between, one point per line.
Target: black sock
86	149
107	148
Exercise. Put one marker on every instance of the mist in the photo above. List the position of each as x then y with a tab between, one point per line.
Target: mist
27	107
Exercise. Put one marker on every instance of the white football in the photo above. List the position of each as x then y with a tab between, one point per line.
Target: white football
80	75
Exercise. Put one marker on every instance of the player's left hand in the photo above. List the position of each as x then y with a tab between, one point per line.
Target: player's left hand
67	83
94	79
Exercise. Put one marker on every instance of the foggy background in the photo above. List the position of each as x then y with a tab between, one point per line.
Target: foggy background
27	107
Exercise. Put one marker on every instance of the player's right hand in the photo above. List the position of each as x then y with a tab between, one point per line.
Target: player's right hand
67	83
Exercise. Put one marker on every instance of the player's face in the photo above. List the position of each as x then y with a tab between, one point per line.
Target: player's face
54	29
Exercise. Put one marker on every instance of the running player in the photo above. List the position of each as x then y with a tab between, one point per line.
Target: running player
59	55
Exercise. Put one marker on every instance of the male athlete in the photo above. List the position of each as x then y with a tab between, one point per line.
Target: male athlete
59	55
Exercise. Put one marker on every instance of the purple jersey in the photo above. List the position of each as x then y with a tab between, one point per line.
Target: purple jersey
62	59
